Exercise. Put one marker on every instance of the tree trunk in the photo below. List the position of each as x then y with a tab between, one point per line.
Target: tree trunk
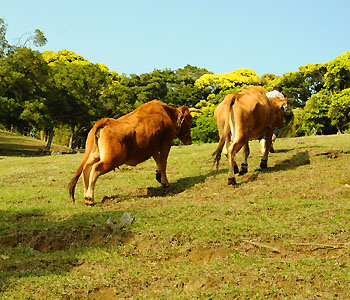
49	140
74	137
71	141
42	135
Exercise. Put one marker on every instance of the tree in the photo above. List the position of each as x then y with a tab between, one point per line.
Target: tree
339	110
79	91
338	73
316	118
37	39
216	86
150	86
5	47
181	89
267	79
205	129
117	97
300	85
24	76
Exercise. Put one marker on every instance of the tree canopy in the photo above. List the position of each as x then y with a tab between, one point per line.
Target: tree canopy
65	93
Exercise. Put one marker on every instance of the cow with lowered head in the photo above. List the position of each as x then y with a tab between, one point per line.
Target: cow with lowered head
146	132
245	116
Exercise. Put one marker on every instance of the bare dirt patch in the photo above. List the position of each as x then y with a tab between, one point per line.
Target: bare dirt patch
57	240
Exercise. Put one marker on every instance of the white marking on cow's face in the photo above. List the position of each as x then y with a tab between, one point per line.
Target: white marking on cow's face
286	109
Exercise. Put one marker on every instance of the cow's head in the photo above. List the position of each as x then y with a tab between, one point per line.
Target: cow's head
184	124
283	110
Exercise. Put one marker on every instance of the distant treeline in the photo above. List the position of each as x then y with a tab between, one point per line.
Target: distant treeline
62	94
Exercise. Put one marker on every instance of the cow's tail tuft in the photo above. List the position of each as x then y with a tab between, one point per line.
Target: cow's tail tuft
91	141
217	154
226	132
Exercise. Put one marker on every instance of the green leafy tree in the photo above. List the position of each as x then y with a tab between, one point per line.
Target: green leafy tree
24	77
268	79
150	86
38	39
300	85
205	129
296	127
117	97
224	81
78	88
339	110
181	89
338	73
316	118
5	47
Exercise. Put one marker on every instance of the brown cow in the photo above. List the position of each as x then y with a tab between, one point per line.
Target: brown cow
242	117
146	132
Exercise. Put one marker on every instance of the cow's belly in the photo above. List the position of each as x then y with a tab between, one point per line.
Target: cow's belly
138	157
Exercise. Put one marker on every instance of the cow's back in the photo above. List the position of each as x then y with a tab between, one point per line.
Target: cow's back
252	113
136	136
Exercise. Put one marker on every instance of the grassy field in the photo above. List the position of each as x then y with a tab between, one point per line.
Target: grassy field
283	233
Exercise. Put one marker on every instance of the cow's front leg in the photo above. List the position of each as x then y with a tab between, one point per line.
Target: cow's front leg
263	163
163	158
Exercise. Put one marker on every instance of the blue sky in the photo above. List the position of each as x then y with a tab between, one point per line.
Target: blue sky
137	36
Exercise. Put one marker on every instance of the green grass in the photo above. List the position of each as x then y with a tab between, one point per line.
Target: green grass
13	144
282	233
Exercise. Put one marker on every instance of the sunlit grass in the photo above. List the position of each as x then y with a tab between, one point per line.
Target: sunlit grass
281	233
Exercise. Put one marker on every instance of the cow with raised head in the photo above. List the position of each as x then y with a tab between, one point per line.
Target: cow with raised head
245	116
146	132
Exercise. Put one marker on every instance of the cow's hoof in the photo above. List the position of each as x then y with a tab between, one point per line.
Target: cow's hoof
89	202
159	176
235	169
231	181
263	164
244	170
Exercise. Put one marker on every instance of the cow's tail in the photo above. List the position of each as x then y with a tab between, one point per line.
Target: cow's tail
91	142
225	133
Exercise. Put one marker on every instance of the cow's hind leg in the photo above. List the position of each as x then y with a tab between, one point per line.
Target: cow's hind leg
97	170
263	163
87	170
244	165
156	158
233	149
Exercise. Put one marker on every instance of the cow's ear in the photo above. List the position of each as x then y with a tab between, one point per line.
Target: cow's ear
182	108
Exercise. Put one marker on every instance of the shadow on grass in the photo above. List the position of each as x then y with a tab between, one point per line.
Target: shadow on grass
297	160
180	185
283	150
33	246
30	152
175	188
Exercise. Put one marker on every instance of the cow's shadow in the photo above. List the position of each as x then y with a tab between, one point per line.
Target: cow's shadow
180	185
175	188
297	160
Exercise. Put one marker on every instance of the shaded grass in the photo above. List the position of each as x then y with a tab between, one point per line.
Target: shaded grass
16	145
282	233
